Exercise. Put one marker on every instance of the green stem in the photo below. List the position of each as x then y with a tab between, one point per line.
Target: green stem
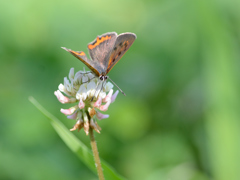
96	155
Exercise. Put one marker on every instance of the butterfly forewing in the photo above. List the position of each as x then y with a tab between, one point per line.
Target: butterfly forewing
82	57
122	44
105	51
101	48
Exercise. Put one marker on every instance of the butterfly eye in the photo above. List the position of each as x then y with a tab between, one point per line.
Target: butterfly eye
101	77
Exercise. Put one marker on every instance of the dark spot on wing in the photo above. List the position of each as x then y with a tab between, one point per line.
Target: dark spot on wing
115	48
125	46
119	53
113	59
120	44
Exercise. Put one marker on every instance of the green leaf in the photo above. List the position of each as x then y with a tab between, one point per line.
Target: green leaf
84	154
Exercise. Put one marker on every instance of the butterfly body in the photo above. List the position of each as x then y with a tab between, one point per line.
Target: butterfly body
105	51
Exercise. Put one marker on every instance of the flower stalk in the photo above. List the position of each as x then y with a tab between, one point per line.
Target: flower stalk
96	155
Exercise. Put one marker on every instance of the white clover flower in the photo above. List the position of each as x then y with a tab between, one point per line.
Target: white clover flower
81	89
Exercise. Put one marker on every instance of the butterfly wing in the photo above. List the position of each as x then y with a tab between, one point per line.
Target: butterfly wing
100	50
82	57
122	44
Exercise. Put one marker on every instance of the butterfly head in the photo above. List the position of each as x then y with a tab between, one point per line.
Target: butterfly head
103	77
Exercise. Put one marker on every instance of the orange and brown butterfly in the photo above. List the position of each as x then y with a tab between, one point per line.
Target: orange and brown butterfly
105	51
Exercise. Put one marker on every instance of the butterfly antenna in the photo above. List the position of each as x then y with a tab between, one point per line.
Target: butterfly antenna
117	86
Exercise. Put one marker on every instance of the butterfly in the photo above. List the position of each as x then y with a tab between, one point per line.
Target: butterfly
105	51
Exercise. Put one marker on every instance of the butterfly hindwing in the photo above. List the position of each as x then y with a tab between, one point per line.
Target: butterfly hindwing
82	57
101	48
122	44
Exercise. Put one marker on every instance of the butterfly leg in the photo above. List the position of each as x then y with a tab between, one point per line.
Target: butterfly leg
103	84
96	90
88	80
88	72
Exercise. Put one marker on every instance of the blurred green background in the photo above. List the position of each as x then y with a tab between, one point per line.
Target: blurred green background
180	119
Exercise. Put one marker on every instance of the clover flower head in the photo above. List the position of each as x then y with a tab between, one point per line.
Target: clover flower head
89	95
